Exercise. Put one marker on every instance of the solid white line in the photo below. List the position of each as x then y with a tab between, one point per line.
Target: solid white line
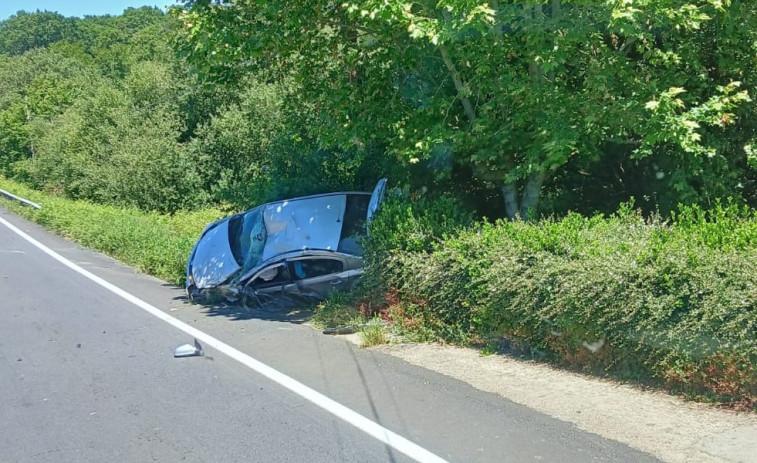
371	428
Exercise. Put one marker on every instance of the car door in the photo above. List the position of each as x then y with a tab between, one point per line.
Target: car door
316	277
267	286
376	198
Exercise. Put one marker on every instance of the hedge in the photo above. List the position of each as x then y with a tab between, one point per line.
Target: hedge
670	303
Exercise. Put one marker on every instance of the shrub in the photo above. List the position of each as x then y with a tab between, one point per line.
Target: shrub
103	149
406	223
668	303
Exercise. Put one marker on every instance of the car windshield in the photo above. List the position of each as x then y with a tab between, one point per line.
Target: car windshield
247	236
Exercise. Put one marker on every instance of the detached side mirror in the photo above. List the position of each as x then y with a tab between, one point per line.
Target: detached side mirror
188	350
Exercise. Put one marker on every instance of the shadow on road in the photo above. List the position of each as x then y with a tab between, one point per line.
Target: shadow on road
272	311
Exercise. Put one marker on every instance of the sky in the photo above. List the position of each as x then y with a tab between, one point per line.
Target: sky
77	7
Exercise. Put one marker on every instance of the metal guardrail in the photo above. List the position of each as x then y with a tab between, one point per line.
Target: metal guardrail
23	201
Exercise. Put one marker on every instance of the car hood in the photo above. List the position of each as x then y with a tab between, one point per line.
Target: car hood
212	262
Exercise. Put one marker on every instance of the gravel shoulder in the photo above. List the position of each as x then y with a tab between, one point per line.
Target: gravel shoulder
667	427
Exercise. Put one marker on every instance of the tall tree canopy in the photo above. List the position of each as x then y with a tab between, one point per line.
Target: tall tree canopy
25	31
513	89
582	104
98	112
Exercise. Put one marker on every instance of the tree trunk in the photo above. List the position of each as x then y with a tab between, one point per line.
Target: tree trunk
470	111
510	195
525	207
459	85
531	194
517	206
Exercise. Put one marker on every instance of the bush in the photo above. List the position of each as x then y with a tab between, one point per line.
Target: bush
104	149
406	223
667	303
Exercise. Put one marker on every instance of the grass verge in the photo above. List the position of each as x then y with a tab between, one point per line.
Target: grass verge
153	243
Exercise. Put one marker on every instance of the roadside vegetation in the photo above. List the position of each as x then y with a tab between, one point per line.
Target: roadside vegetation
151	242
572	183
669	302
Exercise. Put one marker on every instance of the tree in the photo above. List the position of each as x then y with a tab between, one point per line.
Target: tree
111	148
36	86
96	115
514	89
25	31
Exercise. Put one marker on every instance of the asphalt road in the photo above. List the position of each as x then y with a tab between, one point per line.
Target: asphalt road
88	376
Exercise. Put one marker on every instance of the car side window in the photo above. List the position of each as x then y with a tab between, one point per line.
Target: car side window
271	276
310	268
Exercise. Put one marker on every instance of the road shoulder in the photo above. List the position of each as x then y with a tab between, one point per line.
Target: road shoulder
662	425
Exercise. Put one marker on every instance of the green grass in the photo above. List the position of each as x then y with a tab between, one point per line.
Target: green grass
373	333
153	243
338	310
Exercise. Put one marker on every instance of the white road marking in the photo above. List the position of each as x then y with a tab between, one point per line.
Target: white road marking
357	420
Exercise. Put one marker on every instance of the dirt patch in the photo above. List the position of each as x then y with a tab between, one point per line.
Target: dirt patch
667	427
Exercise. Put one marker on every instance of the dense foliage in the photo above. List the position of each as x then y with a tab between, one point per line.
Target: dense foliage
514	92
101	109
671	302
581	105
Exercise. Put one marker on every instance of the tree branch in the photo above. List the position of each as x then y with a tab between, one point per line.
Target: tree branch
459	86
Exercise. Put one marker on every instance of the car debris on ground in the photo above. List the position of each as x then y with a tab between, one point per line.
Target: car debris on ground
188	350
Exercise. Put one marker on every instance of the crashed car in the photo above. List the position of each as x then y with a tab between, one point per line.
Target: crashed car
284	252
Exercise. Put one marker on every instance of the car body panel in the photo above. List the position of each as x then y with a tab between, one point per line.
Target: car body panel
288	286
317	276
213	254
299	249
310	223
